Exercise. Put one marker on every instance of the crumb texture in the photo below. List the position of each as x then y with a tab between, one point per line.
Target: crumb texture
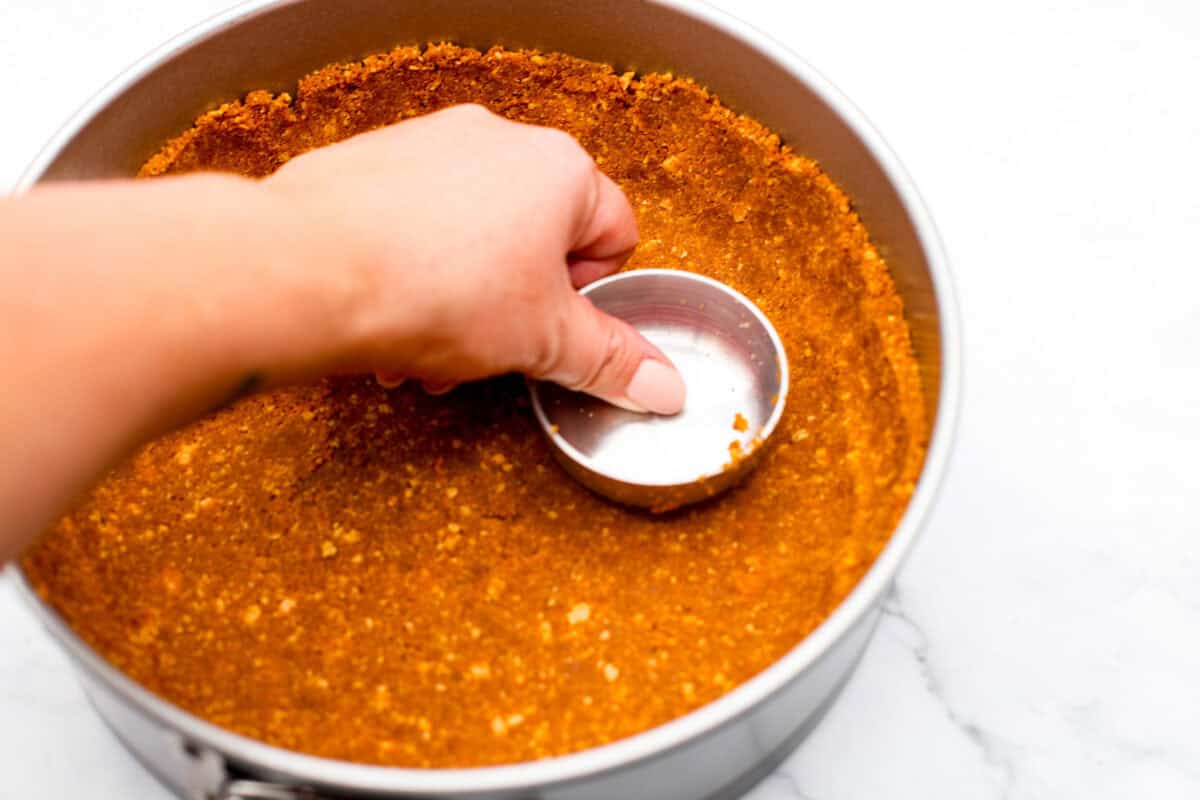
384	577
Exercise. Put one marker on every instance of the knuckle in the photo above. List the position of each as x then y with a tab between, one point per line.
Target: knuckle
558	138
566	149
470	110
471	114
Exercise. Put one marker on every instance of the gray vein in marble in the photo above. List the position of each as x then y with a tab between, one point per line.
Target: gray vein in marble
990	750
1083	722
793	784
788	784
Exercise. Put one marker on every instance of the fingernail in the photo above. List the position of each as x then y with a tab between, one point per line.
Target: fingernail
656	387
436	388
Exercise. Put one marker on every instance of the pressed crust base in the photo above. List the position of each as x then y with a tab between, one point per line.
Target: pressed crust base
385	577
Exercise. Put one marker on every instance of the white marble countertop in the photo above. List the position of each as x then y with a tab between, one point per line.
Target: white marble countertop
1044	639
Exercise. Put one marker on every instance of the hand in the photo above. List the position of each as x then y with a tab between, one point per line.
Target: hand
467	235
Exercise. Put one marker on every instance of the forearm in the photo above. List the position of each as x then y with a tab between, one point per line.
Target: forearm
128	309
445	248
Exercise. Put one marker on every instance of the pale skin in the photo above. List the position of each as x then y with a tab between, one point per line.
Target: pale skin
444	249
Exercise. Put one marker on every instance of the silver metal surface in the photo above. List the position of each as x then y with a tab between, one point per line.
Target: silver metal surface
735	369
717	750
261	790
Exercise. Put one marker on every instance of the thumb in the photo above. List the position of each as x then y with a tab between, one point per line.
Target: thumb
606	357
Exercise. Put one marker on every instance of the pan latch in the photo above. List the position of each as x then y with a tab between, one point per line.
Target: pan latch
207	777
259	790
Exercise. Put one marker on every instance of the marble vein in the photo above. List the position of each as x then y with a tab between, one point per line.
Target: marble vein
787	784
991	750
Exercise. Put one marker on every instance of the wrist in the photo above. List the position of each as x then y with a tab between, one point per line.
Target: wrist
326	275
297	290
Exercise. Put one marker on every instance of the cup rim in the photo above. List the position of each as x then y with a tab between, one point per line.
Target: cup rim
588	463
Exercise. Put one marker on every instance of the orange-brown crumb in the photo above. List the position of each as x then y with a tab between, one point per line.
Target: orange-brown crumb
386	577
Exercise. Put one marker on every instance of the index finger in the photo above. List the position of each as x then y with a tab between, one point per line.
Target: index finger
607	237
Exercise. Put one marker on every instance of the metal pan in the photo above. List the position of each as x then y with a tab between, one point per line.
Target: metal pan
718	750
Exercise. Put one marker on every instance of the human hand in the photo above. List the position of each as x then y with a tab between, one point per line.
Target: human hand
466	236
